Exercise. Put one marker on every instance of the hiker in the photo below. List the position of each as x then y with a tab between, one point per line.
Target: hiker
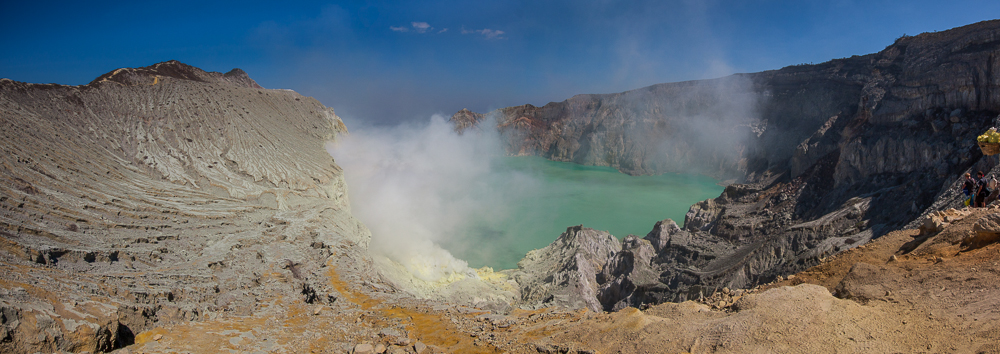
992	183
981	190
968	186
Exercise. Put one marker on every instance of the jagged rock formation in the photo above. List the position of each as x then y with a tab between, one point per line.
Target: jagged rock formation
178	210
564	273
828	156
164	194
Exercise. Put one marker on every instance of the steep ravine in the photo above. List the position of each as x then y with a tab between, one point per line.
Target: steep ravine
825	157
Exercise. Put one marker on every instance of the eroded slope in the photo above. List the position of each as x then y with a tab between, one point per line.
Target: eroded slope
163	194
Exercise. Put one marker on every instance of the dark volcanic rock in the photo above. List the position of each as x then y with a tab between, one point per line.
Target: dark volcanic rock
827	156
628	275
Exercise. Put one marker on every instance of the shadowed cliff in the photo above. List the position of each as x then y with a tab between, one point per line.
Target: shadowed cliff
827	156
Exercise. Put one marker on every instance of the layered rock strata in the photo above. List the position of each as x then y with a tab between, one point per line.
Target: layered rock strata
164	194
167	194
827	156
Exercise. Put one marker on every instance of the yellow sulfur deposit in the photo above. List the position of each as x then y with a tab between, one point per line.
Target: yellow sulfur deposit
990	136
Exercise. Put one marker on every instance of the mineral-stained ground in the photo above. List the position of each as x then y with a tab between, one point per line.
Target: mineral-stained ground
166	209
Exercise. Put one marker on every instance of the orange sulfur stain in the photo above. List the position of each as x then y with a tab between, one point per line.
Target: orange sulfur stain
431	329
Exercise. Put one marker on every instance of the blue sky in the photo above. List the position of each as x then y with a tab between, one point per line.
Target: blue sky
383	62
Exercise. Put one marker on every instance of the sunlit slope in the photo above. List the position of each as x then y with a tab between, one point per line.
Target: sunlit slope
160	194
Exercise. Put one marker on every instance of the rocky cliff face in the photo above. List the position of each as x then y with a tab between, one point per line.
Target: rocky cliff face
164	194
828	156
564	273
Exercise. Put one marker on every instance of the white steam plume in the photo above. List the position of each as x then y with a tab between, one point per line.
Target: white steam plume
417	186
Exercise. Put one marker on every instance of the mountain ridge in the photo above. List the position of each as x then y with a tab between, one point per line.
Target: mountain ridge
166	209
823	154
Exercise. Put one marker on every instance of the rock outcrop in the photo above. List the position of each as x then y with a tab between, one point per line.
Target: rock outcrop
170	197
164	194
939	220
985	231
565	273
827	156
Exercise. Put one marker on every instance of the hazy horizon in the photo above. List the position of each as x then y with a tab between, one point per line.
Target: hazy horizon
386	62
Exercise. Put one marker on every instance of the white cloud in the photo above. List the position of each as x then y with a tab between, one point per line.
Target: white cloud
443	30
418	27
486	32
421	27
492	34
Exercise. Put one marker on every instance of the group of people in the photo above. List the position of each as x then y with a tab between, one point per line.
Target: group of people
980	190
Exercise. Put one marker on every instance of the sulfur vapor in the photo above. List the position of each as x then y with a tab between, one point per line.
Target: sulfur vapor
418	186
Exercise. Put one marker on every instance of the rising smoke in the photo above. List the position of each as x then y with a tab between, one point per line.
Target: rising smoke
701	127
417	186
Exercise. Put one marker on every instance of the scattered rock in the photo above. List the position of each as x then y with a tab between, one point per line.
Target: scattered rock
865	282
364	348
392	332
985	231
380	348
937	221
179	184
420	347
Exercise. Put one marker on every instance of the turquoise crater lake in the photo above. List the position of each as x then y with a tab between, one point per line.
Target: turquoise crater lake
562	194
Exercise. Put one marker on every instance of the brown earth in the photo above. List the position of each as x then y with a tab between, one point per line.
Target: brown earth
940	296
170	210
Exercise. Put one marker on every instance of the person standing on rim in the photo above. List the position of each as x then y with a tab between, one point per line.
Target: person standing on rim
992	184
968	187
981	190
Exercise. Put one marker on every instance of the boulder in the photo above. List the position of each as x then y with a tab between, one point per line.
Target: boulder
420	347
985	231
364	348
866	282
939	220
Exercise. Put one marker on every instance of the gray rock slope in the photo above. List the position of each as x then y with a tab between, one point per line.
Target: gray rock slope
164	194
827	157
565	273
